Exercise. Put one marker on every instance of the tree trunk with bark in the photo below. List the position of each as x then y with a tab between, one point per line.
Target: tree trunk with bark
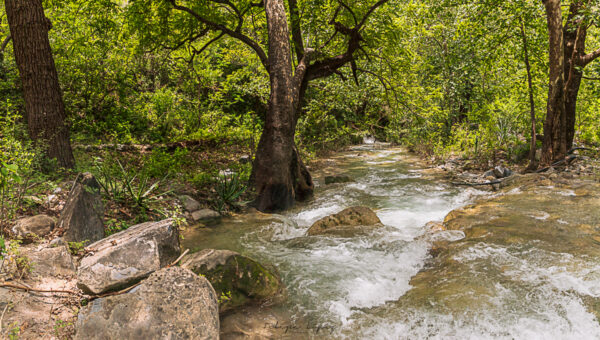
43	98
555	142
279	175
574	35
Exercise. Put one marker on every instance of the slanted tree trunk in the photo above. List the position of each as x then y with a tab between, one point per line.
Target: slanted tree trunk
555	141
280	176
43	98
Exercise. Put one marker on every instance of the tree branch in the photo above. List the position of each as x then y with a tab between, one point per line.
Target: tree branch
232	33
296	30
588	58
5	43
327	67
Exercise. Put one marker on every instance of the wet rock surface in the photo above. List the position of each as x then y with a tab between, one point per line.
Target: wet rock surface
128	256
348	222
239	280
529	245
173	303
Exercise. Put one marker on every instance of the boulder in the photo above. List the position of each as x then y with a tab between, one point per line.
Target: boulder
489	173
205	216
337	179
81	218
129	256
189	204
501	172
29	227
349	222
237	279
51	261
172	303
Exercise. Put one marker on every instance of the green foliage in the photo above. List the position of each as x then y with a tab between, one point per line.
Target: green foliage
114	226
161	162
77	248
17	162
128	185
225	296
13	263
229	188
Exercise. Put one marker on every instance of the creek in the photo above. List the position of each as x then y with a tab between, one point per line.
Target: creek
388	285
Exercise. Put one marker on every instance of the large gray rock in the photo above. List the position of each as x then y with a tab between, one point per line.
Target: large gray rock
206	216
81	218
129	256
173	303
348	222
29	227
189	203
239	279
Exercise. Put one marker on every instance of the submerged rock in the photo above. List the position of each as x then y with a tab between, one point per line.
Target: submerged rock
348	222
129	256
337	179
29	228
172	303
81	218
515	242
238	280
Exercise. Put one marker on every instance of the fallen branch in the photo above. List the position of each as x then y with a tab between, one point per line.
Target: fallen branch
123	291
566	160
477	184
179	258
580	148
54	291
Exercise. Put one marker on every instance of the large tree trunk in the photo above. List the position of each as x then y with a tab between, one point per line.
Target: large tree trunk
574	35
43	98
279	175
555	141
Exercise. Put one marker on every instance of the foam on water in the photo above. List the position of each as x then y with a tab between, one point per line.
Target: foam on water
341	282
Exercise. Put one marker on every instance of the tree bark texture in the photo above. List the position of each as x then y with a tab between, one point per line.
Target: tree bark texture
43	98
555	142
277	164
574	35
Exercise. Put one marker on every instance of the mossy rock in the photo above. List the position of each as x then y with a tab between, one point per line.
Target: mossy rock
238	280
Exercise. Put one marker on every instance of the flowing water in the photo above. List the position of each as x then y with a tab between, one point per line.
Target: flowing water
386	285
